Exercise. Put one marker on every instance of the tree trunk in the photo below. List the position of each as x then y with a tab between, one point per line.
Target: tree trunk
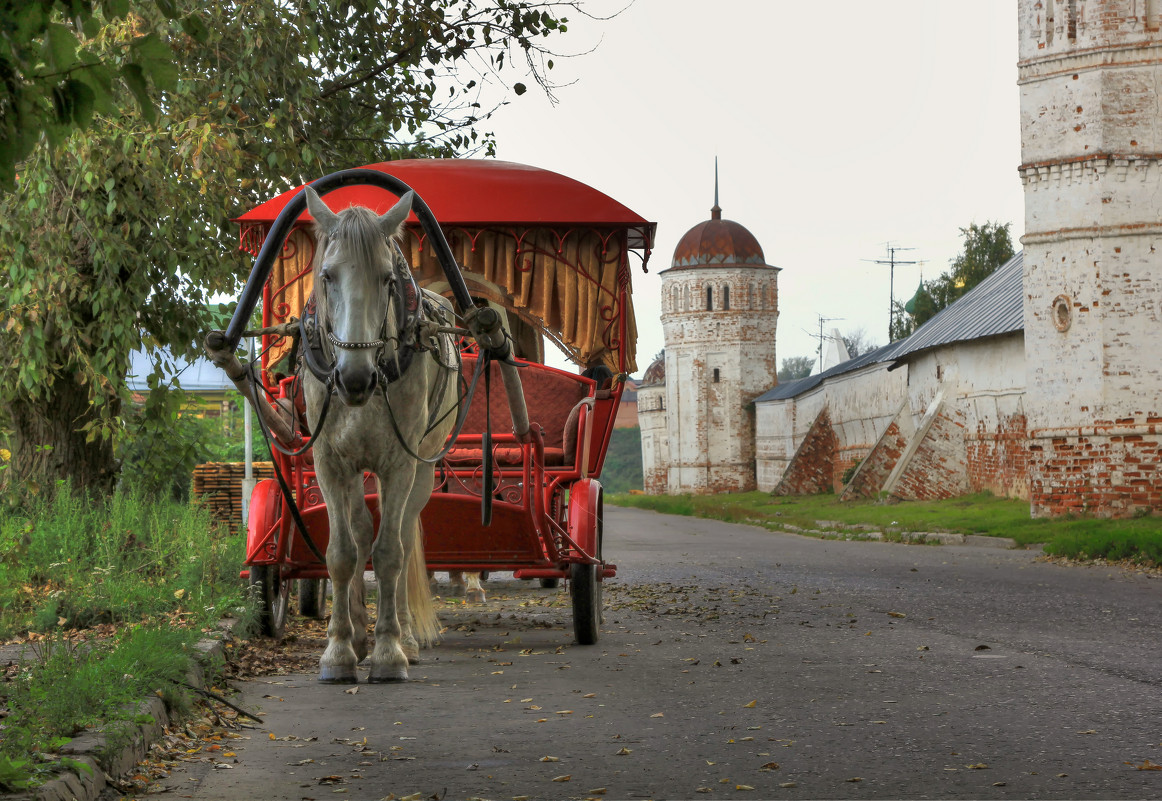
48	445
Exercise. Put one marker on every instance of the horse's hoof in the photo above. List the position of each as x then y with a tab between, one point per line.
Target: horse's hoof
387	674
475	596
338	674
413	654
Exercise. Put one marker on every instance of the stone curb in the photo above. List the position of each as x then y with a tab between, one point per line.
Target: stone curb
105	764
835	530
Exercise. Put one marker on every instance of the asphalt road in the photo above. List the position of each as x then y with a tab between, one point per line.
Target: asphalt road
737	663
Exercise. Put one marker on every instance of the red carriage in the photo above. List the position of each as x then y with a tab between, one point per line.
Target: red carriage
551	257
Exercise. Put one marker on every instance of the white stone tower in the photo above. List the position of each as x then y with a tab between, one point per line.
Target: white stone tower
719	311
1090	74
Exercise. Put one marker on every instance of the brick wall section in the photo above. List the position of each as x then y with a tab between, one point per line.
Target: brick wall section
875	469
1111	474
812	468
998	461
937	468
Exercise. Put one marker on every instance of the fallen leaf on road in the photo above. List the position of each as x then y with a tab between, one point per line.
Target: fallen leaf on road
1147	765
624	751
751	705
597	791
565	778
770	766
743	787
550	759
855	779
658	715
351	691
789	785
704	790
977	766
589	695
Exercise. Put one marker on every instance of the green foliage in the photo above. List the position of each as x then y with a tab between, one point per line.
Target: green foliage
68	563
795	367
14	773
58	75
161	447
71	685
986	247
117	233
622	471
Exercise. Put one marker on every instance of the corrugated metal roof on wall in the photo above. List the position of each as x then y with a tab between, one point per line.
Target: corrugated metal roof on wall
801	385
994	306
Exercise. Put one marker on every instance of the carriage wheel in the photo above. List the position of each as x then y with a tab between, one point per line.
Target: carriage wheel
272	592
585	587
550	583
313	598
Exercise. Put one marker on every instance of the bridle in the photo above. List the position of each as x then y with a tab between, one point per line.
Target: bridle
410	312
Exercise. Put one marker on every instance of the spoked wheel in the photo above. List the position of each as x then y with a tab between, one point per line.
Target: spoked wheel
272	592
313	598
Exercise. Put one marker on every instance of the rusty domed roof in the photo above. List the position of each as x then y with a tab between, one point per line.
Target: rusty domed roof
655	373
718	243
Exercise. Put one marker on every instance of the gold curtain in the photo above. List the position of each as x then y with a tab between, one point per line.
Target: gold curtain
565	281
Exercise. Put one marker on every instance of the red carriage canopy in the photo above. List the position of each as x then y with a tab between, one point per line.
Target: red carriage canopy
551	249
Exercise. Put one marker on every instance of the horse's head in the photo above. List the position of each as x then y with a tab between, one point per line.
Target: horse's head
357	273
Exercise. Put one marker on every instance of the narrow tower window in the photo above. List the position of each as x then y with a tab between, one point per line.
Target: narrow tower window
1071	19
709	298
726	298
715	375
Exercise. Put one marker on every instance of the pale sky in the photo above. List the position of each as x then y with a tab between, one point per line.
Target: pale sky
838	127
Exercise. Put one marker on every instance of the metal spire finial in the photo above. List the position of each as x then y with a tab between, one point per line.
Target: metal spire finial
715	211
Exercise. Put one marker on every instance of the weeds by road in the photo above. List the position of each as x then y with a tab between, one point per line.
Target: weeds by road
1138	540
103	603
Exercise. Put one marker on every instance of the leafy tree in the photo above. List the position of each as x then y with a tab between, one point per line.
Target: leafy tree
986	247
796	367
115	235
54	80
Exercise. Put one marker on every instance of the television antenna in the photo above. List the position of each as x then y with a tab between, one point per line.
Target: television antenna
820	336
892	261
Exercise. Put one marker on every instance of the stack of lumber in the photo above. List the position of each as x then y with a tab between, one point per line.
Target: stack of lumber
219	487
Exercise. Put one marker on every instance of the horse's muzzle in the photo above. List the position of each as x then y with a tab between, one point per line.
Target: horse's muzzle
356	386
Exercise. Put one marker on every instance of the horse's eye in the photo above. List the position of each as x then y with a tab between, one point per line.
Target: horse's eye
325	276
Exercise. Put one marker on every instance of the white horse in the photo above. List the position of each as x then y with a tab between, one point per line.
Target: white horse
395	382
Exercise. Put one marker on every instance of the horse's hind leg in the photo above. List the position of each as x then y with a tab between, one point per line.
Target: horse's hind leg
475	592
347	631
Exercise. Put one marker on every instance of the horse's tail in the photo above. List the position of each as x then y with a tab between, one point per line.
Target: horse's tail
425	624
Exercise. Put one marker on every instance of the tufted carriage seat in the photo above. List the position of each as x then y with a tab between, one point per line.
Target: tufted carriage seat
552	397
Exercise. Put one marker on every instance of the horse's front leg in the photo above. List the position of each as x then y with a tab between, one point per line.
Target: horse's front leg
388	661
350	536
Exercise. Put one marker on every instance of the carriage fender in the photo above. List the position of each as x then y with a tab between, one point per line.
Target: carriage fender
265	506
585	510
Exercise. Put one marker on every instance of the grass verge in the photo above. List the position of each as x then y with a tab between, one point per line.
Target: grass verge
1138	540
109	598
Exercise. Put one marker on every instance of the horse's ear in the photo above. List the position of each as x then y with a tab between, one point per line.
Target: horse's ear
324	217
391	221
